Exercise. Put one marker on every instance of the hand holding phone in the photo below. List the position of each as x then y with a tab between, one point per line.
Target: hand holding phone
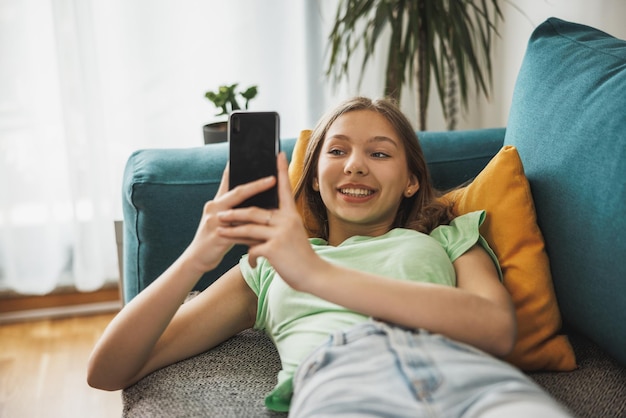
254	143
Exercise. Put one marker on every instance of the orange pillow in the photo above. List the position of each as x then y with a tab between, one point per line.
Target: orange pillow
297	157
511	230
295	172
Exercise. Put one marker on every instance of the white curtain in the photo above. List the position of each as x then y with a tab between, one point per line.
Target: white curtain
83	83
56	209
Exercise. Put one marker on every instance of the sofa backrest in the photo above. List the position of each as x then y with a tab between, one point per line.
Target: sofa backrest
164	191
568	122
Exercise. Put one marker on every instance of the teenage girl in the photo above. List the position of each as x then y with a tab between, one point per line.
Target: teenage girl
395	308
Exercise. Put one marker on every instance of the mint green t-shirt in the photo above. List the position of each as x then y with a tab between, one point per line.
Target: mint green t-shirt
299	322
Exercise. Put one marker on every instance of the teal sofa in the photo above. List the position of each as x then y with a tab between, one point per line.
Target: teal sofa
568	122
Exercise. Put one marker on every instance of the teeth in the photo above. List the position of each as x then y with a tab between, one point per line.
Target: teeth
356	192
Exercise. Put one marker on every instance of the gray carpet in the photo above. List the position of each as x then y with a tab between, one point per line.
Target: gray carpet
597	389
234	378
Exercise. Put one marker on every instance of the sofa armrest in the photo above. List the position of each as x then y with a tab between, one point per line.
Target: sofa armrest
164	191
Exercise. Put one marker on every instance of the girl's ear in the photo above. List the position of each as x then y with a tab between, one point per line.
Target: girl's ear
412	187
316	185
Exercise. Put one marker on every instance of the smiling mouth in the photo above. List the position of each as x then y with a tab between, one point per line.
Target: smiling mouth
356	192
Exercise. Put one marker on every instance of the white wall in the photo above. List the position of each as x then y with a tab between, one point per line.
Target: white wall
606	15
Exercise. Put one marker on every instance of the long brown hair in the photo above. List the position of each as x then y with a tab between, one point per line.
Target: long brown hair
423	211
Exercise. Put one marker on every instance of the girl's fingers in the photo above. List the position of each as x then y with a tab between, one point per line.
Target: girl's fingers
237	195
224	182
251	223
285	194
247	216
240	193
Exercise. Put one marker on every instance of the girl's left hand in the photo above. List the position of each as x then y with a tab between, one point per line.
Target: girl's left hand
276	234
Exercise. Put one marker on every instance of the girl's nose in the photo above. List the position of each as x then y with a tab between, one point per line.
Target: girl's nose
355	165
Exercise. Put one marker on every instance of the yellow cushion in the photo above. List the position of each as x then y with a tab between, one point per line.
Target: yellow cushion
297	157
512	232
295	172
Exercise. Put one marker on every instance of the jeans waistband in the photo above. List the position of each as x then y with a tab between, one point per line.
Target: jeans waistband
371	327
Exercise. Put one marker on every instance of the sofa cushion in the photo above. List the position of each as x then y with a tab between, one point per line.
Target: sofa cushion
512	233
568	122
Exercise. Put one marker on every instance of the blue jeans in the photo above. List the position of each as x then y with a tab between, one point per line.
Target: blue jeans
380	370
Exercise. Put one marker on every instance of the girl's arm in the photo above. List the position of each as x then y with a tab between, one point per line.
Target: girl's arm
478	311
154	330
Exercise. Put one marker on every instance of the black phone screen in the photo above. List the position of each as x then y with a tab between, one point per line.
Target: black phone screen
253	145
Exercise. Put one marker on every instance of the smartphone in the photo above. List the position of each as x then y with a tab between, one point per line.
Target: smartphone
254	143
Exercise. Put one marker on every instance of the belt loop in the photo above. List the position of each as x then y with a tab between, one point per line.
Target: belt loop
384	327
338	338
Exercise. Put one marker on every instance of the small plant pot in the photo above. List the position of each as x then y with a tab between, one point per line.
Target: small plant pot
215	132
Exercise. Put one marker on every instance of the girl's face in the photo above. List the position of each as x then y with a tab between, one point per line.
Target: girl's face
362	175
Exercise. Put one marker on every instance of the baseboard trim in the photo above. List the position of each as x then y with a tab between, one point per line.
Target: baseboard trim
60	312
60	297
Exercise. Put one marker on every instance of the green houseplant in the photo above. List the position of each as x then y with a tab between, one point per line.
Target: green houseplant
448	39
226	99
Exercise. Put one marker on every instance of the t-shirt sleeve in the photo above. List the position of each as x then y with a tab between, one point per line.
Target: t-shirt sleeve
250	275
259	280
462	234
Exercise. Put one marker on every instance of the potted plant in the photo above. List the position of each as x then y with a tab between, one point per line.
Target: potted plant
450	39
225	99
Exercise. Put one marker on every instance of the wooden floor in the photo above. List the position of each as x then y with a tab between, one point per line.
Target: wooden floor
43	369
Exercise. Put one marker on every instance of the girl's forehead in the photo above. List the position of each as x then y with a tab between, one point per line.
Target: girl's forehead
361	124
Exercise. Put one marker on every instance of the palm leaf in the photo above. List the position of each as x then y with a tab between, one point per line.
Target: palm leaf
428	37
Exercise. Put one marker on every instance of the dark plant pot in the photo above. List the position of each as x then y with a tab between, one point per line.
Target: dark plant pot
215	132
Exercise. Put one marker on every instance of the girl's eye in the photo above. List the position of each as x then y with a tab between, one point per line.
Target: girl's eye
335	151
380	155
